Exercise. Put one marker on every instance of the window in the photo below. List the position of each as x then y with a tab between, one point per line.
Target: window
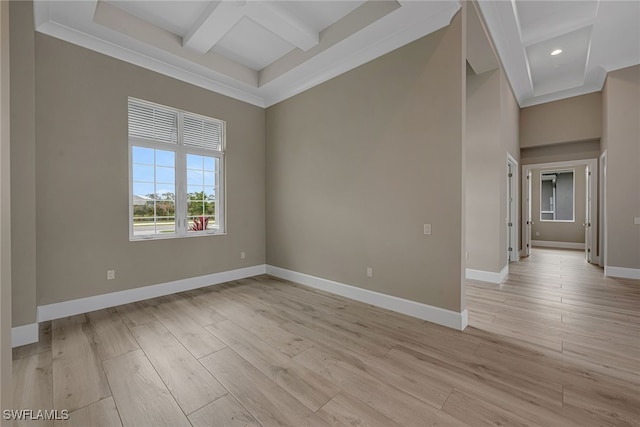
556	196
176	177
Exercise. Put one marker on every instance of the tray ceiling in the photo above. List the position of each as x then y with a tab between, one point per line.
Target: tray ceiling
594	37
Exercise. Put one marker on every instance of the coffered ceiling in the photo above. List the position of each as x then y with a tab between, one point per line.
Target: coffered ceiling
258	51
263	51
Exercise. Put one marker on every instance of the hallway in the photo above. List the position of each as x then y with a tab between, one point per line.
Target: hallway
555	308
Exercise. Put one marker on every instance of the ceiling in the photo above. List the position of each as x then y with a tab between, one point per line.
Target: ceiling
260	52
595	37
263	52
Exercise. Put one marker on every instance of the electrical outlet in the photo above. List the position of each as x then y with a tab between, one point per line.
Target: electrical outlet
636	220
427	229
111	274
537	233
369	272
243	255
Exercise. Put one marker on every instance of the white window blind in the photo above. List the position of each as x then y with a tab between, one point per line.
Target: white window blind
152	123
202	133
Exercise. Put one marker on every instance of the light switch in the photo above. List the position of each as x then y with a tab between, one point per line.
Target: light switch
427	229
636	220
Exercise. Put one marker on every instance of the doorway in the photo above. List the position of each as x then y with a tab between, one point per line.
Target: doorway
534	203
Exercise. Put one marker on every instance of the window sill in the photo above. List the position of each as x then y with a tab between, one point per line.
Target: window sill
168	237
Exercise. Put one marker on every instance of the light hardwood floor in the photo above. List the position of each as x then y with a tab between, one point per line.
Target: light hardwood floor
555	345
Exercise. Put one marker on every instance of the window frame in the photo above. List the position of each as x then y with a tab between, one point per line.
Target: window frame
181	151
555	197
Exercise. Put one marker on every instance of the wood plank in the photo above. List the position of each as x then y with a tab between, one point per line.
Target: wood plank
135	314
270	331
428	389
112	337
401	407
346	410
261	396
100	414
199	309
477	412
140	395
43	344
309	388
539	411
33	386
193	336
188	381
223	412
77	372
68	321
609	403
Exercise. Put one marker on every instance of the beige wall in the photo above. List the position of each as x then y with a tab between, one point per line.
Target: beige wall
357	165
23	159
621	139
82	178
567	120
492	132
6	393
572	232
484	173
581	150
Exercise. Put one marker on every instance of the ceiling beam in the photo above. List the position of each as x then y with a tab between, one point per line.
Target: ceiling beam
222	16
278	20
213	25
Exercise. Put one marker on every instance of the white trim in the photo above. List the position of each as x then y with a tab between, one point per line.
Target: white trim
593	166
23	335
622	272
426	312
514	242
559	245
602	248
356	50
98	302
487	276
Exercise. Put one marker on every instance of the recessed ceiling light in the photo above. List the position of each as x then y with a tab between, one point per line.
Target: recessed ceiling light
556	52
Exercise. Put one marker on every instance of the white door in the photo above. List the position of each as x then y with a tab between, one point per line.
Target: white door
588	235
509	219
527	215
513	253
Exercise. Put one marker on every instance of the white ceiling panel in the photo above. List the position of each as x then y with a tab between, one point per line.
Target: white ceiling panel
616	40
318	15
539	19
252	45
550	73
175	16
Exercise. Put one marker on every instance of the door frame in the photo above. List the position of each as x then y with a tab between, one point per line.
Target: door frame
513	241
526	202
602	219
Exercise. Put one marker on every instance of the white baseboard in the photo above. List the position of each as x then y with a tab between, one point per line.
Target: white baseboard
426	312
558	245
98	302
487	276
622	272
23	335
